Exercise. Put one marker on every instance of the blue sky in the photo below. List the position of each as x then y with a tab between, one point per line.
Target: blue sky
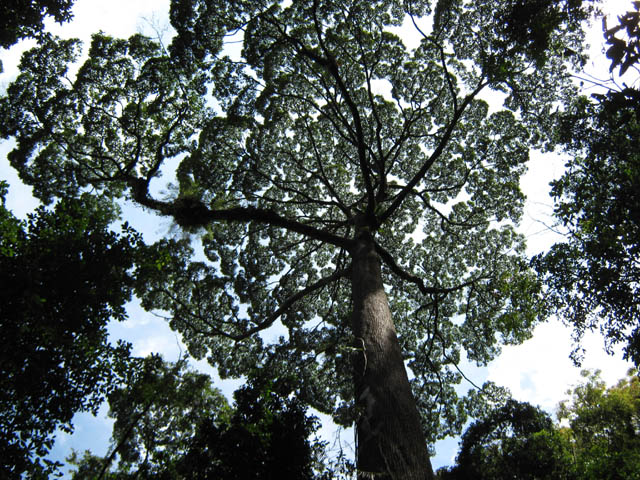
538	371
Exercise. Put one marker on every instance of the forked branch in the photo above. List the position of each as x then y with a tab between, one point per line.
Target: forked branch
389	261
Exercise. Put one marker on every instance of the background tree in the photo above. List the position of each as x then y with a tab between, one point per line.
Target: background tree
516	440
333	175
605	427
170	422
597	437
594	275
20	20
64	276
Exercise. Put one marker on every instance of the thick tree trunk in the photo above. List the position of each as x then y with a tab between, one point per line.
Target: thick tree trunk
389	438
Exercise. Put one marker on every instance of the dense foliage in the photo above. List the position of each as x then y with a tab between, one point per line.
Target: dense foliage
594	276
604	427
171	423
597	438
516	440
64	276
356	199
20	20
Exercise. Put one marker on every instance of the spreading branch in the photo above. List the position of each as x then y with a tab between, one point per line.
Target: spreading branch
442	144
204	215
388	259
288	303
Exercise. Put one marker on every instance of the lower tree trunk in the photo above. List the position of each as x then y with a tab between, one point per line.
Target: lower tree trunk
389	439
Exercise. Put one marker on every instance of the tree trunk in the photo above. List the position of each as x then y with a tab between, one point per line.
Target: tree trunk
389	439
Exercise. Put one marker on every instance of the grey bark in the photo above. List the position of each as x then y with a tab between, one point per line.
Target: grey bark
389	437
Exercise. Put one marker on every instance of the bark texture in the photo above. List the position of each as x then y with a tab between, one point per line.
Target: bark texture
389	438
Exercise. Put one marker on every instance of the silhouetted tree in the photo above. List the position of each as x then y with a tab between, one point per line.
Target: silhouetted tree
355	193
64	276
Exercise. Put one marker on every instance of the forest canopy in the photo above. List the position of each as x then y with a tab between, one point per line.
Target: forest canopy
348	205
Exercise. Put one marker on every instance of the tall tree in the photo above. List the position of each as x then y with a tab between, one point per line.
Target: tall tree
64	276
333	175
593	276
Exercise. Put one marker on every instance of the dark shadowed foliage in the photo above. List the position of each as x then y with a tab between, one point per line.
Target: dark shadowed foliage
594	275
355	200
171	423
64	276
517	440
20	19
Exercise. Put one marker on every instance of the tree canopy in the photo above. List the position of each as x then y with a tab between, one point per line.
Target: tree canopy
594	274
20	20
596	437
170	422
603	427
516	440
356	200
65	275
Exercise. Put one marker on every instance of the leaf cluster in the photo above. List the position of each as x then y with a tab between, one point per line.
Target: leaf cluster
170	422
65	275
624	53
26	19
596	438
593	276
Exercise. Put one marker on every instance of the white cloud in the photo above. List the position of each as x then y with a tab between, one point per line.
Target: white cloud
540	372
119	18
166	343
